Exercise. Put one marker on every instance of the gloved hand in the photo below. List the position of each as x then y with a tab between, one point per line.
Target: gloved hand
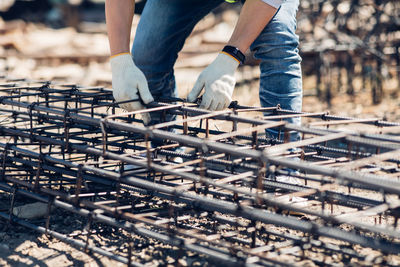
129	83
218	81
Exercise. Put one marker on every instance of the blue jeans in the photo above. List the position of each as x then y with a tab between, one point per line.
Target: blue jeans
165	25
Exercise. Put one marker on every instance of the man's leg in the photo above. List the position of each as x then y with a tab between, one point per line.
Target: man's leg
161	33
281	79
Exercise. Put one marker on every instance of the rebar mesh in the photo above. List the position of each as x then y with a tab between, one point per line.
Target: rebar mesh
218	186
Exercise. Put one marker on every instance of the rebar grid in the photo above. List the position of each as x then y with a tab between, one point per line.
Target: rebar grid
218	186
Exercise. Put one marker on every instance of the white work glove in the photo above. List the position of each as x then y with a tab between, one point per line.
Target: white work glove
218	81
129	83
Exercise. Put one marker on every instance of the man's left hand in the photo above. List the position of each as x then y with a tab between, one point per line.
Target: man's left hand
218	81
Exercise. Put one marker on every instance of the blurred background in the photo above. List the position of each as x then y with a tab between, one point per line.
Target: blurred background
350	50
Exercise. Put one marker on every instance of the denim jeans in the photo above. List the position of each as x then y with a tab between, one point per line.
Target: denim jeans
165	25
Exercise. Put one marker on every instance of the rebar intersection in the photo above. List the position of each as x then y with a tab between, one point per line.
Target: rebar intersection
227	195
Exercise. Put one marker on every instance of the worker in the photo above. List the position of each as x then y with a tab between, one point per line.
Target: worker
267	27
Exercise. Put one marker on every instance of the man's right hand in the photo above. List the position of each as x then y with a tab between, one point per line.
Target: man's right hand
129	83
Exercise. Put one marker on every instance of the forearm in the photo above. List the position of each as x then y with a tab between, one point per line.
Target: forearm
255	15
119	15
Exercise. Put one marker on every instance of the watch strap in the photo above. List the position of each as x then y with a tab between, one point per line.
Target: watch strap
234	52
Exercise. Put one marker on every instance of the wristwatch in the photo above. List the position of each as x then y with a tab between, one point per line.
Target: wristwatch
234	52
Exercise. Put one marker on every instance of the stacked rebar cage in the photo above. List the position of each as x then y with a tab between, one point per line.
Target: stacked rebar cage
73	149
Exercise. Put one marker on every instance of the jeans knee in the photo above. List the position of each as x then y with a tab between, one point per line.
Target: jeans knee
151	58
